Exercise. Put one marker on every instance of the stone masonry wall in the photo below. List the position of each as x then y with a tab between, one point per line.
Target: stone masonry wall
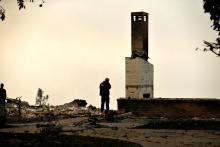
139	78
171	108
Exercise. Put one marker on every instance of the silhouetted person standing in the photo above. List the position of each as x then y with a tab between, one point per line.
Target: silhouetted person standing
104	93
2	105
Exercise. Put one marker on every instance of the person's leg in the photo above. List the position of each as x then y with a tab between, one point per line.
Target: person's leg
102	104
107	103
2	115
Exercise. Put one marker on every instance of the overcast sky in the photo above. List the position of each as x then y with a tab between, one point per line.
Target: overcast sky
68	47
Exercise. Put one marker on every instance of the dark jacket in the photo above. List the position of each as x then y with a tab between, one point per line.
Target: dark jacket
104	88
2	96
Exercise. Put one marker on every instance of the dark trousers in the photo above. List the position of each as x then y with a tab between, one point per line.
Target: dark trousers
2	115
105	100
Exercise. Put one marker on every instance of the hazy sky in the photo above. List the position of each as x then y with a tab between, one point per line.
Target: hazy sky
68	47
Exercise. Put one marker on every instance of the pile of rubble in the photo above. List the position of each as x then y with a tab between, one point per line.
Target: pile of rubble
75	108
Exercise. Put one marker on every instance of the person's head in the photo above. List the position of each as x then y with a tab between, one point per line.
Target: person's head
107	79
2	85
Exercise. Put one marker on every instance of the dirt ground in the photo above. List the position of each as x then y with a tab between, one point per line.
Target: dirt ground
123	132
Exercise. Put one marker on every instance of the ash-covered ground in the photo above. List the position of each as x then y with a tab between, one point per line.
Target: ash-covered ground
73	125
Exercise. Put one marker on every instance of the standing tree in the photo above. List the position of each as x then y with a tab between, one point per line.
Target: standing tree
213	8
41	99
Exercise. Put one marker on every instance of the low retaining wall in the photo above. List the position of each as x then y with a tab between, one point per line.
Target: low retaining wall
171	108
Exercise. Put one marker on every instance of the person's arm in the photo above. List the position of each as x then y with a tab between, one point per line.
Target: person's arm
5	95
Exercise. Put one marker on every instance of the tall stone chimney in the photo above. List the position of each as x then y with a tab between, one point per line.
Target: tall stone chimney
139	72
139	35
